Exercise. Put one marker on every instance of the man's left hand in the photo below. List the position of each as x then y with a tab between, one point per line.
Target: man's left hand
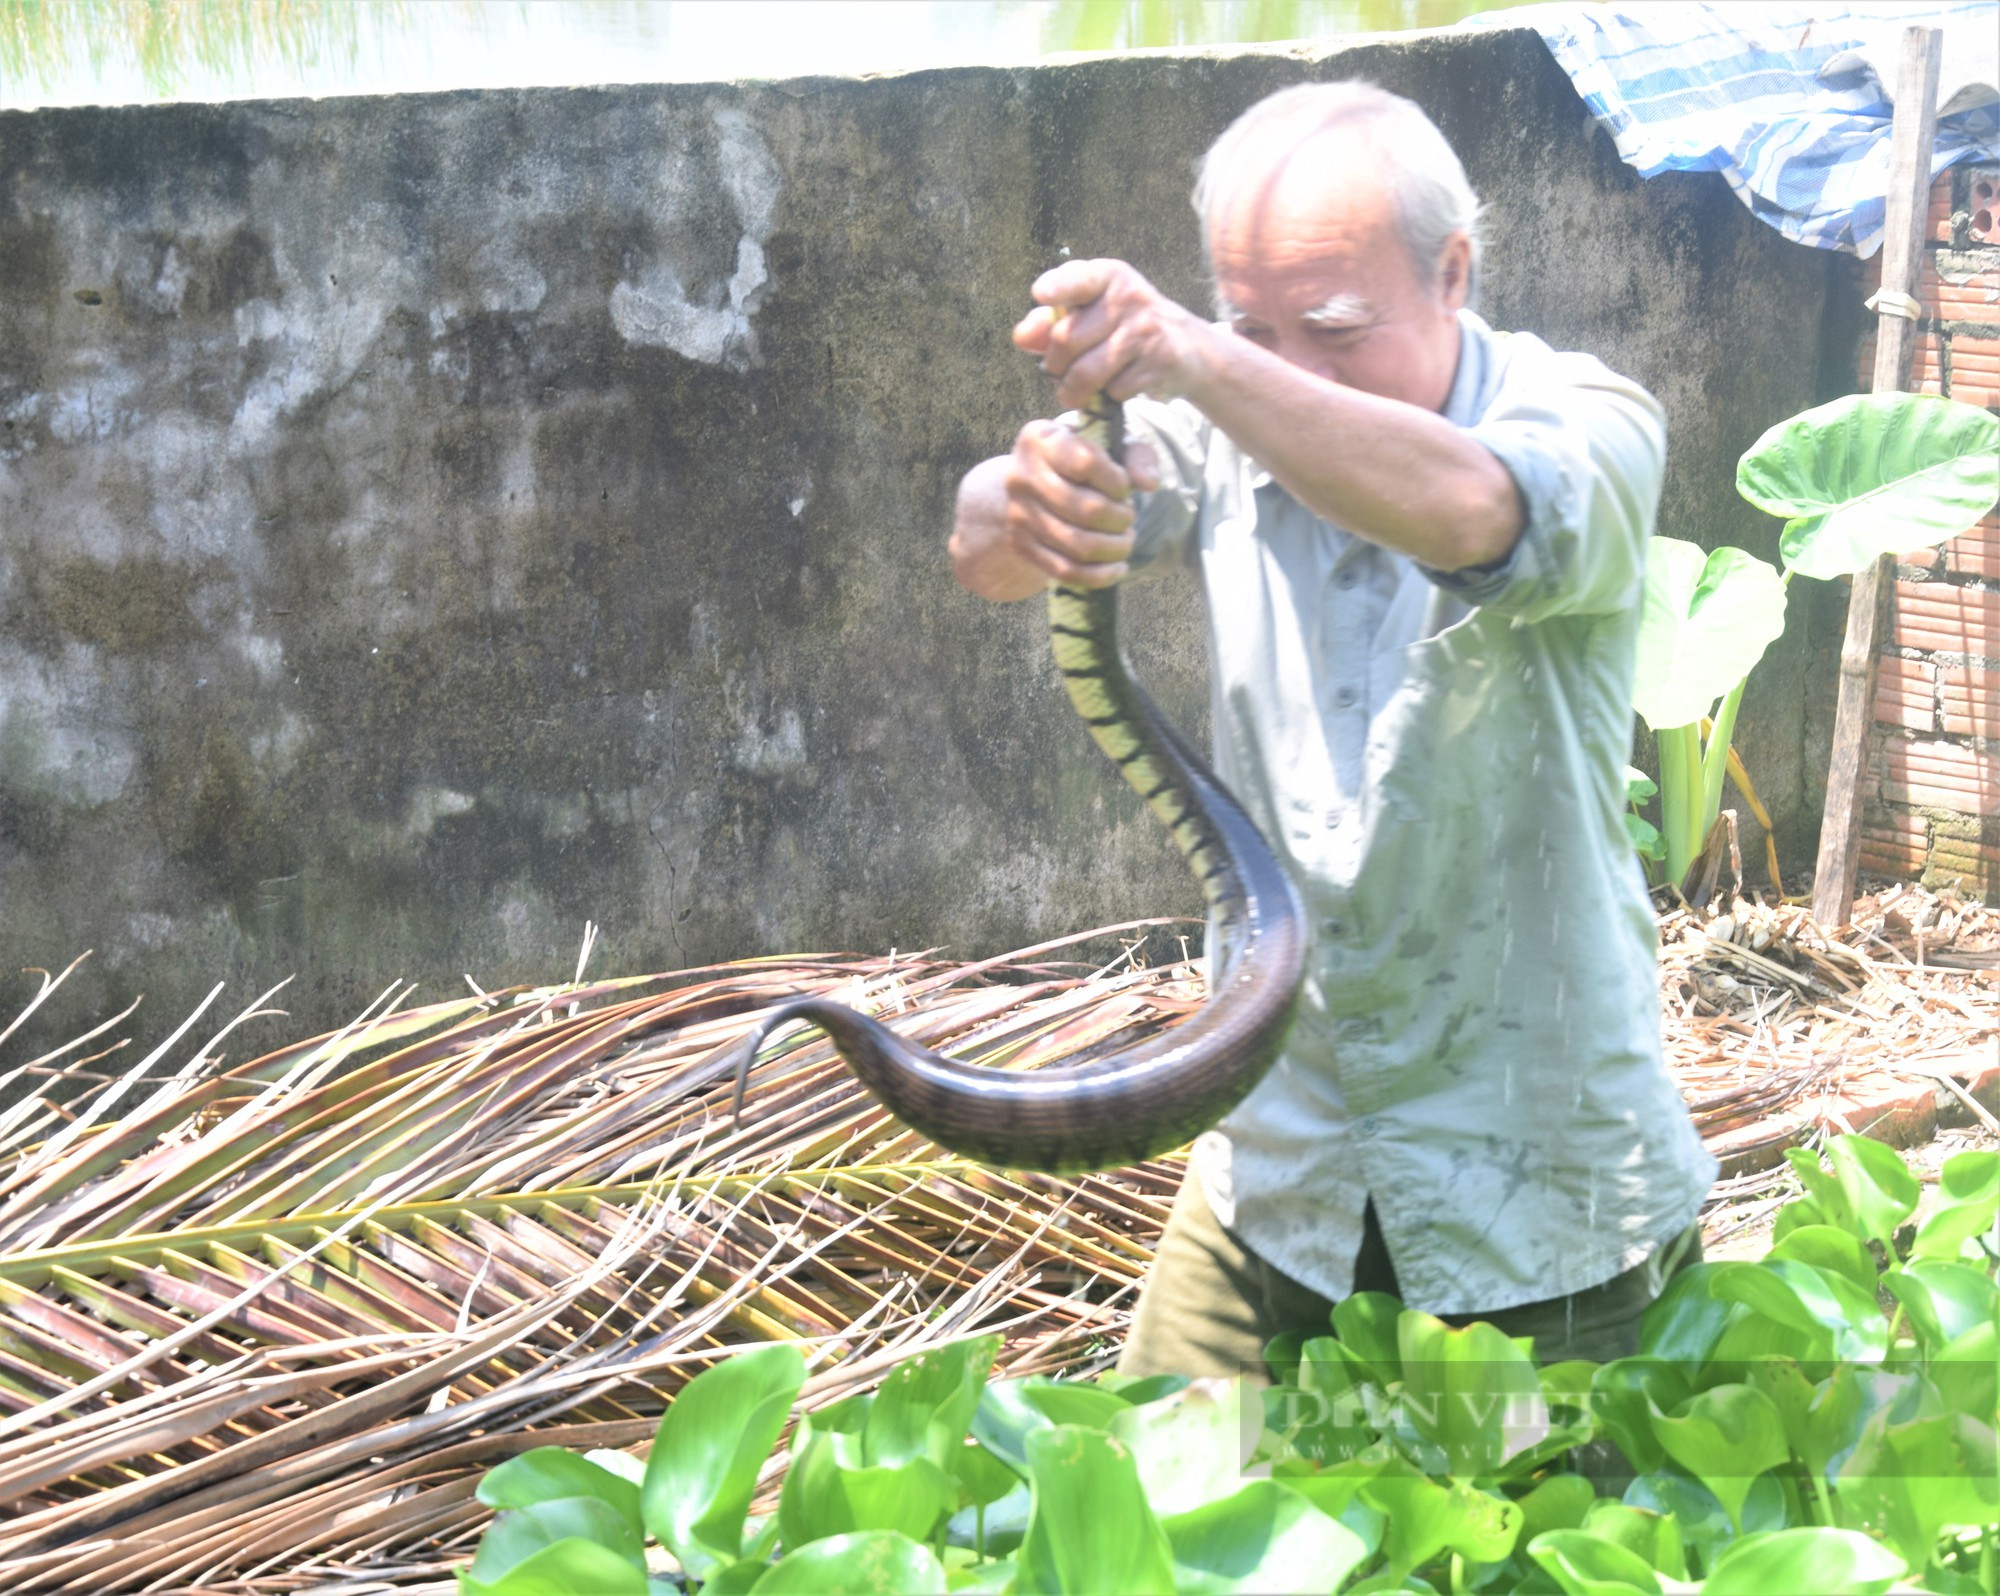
1100	327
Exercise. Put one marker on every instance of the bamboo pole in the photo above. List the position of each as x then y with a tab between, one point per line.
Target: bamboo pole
1912	135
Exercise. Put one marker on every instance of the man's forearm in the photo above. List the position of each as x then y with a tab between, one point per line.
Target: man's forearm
1391	472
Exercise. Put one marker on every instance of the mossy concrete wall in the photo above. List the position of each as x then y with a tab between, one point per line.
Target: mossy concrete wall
428	523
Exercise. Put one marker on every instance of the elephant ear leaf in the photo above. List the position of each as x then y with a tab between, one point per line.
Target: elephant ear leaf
1705	620
1873	474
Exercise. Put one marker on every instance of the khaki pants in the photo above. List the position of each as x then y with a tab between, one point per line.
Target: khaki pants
1210	1304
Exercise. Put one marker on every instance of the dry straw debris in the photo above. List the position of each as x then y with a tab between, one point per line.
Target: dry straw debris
263	1325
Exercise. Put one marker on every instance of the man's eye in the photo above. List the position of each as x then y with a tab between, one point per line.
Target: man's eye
1256	335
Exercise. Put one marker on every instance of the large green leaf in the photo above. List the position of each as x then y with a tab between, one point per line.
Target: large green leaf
548	1473
1471	1394
1188	1446
1706	620
925	1403
1585	1565
1907	1481
1873	474
1827	1562
828	1492
562	1568
1968	1200
519	1535
1725	1437
1092	1533
873	1563
1263	1537
711	1444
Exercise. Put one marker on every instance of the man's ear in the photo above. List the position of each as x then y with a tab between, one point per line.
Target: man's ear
1454	272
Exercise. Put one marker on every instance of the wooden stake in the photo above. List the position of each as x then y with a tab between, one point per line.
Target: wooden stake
1912	135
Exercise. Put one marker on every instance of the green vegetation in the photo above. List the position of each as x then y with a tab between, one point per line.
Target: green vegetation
1139	24
43	39
1864	476
1820	1420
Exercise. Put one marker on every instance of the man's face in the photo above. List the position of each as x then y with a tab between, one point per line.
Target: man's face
1310	265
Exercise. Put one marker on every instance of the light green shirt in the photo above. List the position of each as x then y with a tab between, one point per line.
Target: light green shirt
1439	759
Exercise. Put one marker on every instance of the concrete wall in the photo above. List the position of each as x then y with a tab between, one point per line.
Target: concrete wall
428	522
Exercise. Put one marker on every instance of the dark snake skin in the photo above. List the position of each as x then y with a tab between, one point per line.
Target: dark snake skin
1156	1095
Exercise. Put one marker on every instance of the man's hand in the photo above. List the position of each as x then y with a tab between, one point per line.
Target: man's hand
1100	327
1055	510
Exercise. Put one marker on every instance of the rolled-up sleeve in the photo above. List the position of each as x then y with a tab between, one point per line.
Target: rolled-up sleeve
1586	448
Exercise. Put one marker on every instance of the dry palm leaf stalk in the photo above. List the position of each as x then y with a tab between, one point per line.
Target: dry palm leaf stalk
262	1328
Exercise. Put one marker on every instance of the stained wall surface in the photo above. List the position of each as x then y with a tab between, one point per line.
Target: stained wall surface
428	523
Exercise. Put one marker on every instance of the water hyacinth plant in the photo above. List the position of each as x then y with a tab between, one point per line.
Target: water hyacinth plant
1864	476
1821	1420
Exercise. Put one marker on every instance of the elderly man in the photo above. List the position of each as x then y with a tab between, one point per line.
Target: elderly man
1422	545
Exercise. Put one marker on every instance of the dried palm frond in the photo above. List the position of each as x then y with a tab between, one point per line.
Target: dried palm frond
259	1317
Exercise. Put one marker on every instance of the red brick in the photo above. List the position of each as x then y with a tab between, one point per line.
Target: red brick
1984	204
1894	843
1959	620
1977	552
1906	695
1939	775
1971	701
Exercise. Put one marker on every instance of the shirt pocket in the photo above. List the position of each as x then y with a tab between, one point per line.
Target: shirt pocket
1455	732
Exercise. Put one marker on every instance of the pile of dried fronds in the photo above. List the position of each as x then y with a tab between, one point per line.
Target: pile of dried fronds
256	1322
1772	1024
262	1327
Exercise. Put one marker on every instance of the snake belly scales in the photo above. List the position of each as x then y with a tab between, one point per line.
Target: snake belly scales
1161	1092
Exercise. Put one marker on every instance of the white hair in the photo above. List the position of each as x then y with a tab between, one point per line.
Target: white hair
1432	198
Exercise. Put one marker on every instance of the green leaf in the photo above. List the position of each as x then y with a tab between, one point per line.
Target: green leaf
1638	785
1366	1324
1264	1537
1966	1371
1829	1248
1188	1446
1809	1300
1472	1394
1645	837
1560	1502
1702	1519
1706	620
523	1533
1623	1395
981	1476
710	1446
1906	1481
924	1404
1426	1518
826	1495
548	1473
1962	1297
871	1563
1092	1533
1685	1321
1585	1565
1003	1420
563	1568
1655	1537
1880	1190
1968	1202
738	1579
1725	1437
1872	474
1827	1562
982	1579
1071	1402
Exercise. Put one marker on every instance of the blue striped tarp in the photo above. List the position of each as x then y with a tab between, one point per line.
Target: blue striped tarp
1784	100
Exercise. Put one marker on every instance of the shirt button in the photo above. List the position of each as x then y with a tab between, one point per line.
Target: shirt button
1347	580
1333	820
1333	928
1345	697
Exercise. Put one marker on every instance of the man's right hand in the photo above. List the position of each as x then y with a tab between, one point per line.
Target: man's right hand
1055	510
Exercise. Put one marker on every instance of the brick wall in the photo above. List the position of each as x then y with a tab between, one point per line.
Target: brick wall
1932	808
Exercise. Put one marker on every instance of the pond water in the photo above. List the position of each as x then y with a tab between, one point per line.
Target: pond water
113	52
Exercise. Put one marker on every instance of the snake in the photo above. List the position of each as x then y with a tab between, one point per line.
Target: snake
1161	1092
